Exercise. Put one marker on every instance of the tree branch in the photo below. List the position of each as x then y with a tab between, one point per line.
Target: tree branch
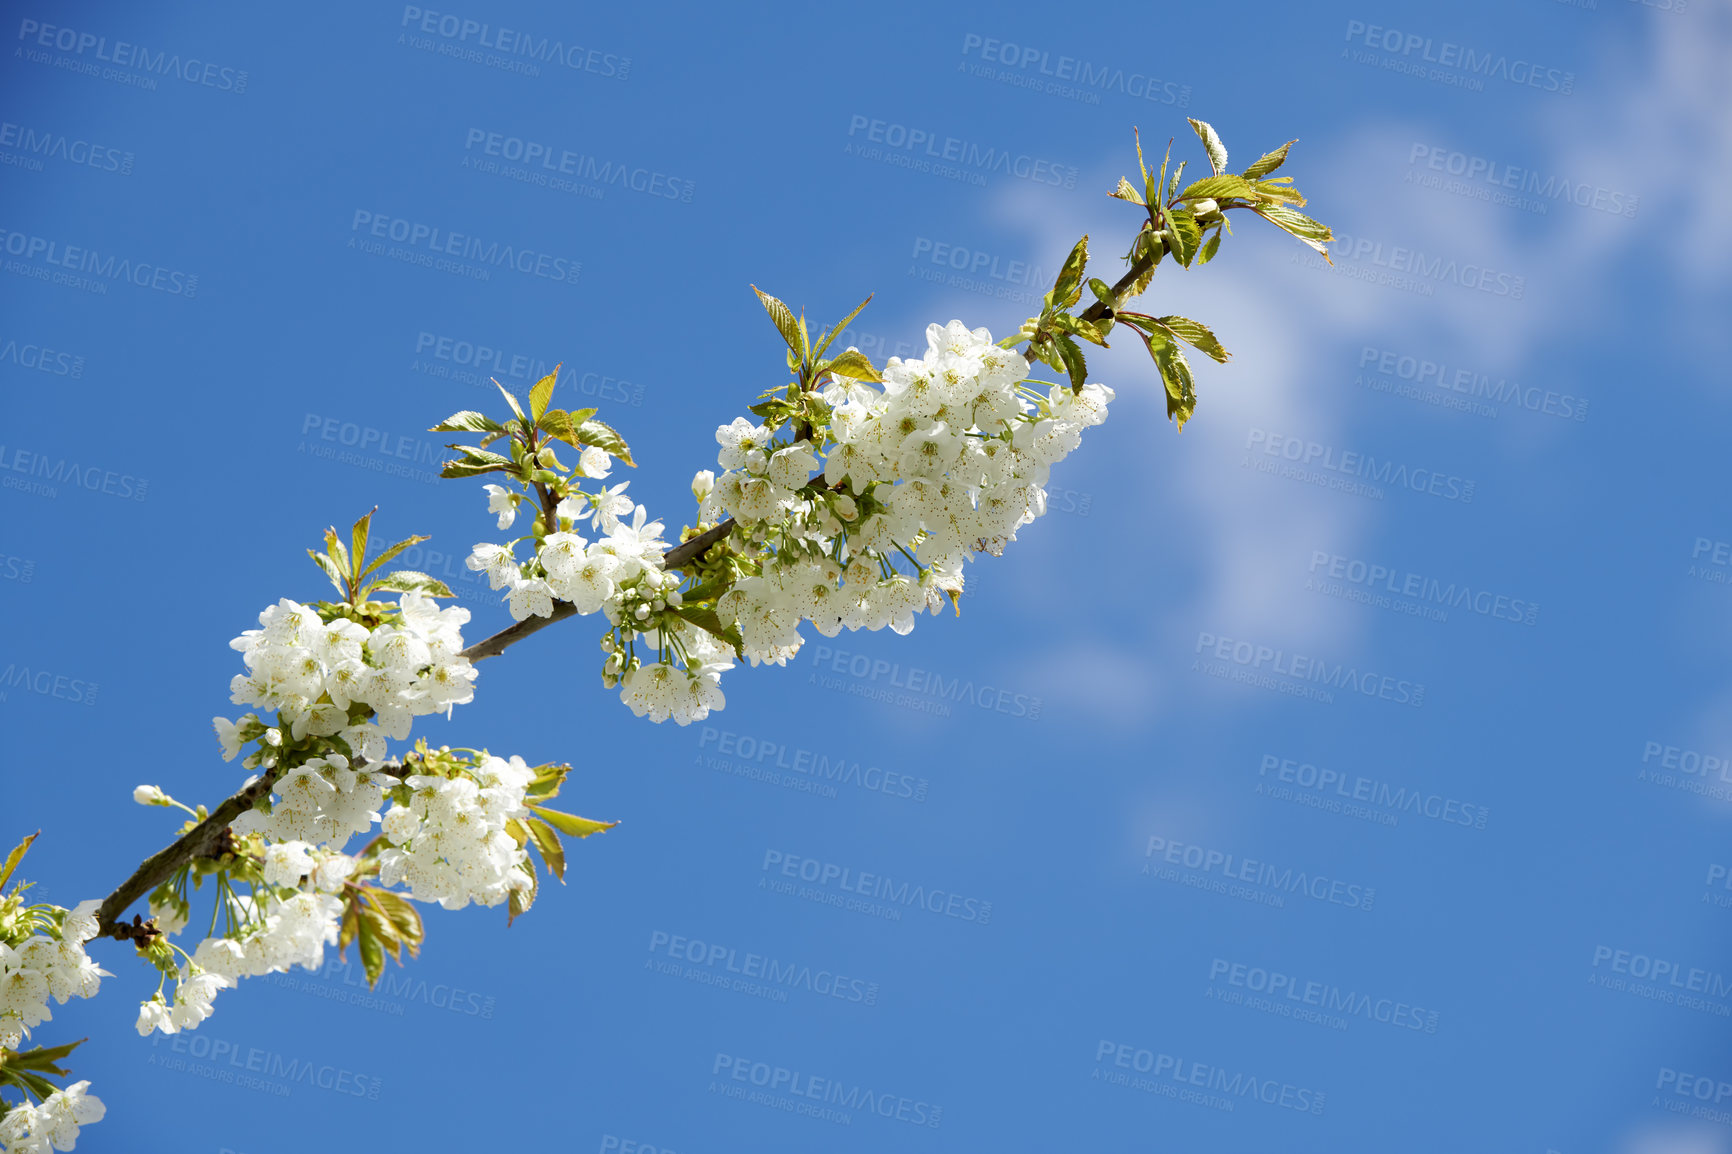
201	840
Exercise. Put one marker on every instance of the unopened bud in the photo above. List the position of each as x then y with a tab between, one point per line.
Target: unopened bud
702	482
1204	207
641	613
149	795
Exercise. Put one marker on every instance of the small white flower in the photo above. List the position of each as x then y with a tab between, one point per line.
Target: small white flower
594	462
502	501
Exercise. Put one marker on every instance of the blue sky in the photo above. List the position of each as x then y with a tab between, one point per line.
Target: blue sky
1513	920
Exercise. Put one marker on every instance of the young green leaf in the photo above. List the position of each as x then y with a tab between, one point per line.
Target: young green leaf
1210	247
1074	363
1185	234
852	363
1067	289
1127	191
520	900
709	622
358	537
511	400
339	555
548	778
604	436
1312	233
570	824
542	393
1219	188
468	421
392	552
546	842
1196	335
411	581
785	322
1212	143
830	334
1269	162
331	571
16	856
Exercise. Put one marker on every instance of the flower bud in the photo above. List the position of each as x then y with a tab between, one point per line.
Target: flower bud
702	482
149	795
1204	207
756	461
844	506
675	598
641	613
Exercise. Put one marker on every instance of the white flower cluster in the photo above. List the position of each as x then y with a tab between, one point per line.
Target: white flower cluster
292	932
53	1124
590	575
322	801
41	967
311	672
449	843
950	458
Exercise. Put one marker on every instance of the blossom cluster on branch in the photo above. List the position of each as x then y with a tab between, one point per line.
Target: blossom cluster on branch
852	497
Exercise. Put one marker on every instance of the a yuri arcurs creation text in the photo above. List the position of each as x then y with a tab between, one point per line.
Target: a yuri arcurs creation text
851	498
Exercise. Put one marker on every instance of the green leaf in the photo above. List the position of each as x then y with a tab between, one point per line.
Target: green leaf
1185	233
510	400
1074	363
338	554
521	900
546	842
1127	191
42	1059
1210	247
1197	335
392	552
604	436
1219	188
1072	326
477	456
785	323
830	334
405	919
542	393
1212	143
1176	375
1311	232
709	622
468	421
16	856
854	364
358	537
548	778
331	571
1269	162
370	942
1278	190
411	581
1173	184
570	824
1067	289
460	469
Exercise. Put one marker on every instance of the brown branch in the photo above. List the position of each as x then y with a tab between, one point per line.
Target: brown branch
200	841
